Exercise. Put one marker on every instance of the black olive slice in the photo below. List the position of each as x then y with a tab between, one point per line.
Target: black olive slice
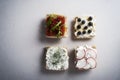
84	32
90	18
89	31
83	22
78	27
90	24
78	33
78	19
85	27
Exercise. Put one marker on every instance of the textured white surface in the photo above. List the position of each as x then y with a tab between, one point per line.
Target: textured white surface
82	27
62	58
22	38
85	57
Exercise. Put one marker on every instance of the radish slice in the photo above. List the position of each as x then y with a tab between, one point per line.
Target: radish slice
87	66
91	53
81	63
92	62
80	53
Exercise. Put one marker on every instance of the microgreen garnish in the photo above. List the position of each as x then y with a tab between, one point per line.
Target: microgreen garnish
57	25
49	21
59	34
51	16
56	57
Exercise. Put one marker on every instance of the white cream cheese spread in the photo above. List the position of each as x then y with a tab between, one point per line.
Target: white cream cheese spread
85	57
84	27
57	58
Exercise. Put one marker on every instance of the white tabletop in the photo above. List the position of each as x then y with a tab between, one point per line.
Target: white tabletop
22	38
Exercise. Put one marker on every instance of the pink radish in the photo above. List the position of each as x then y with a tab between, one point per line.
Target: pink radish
91	53
81	63
92	62
80	53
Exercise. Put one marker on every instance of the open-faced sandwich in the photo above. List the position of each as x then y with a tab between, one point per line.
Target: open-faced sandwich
57	58
55	26
84	27
85	57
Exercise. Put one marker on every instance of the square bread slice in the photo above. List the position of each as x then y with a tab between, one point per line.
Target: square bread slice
57	58
84	27
85	57
55	26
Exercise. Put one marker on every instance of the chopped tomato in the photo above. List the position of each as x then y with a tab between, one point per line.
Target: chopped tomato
52	23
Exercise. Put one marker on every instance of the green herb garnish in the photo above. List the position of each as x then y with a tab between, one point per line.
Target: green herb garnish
57	25
51	16
56	57
49	21
59	34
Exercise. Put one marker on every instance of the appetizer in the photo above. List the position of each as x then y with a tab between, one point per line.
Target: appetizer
84	27
55	26
57	58
85	57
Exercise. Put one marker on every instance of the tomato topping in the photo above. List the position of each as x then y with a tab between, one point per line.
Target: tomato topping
59	29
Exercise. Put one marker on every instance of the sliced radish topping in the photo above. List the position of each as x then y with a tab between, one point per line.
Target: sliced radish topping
91	53
85	57
80	53
87	66
81	63
92	62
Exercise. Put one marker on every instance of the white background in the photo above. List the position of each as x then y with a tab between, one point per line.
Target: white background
22	38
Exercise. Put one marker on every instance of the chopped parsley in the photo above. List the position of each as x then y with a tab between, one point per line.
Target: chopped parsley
57	25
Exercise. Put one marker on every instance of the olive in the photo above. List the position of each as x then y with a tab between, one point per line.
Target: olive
90	24
83	32
90	18
78	19
83	22
89	31
85	27
78	27
78	33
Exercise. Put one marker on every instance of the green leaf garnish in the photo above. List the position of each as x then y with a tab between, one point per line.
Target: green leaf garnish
59	34
49	22
51	16
56	57
57	25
